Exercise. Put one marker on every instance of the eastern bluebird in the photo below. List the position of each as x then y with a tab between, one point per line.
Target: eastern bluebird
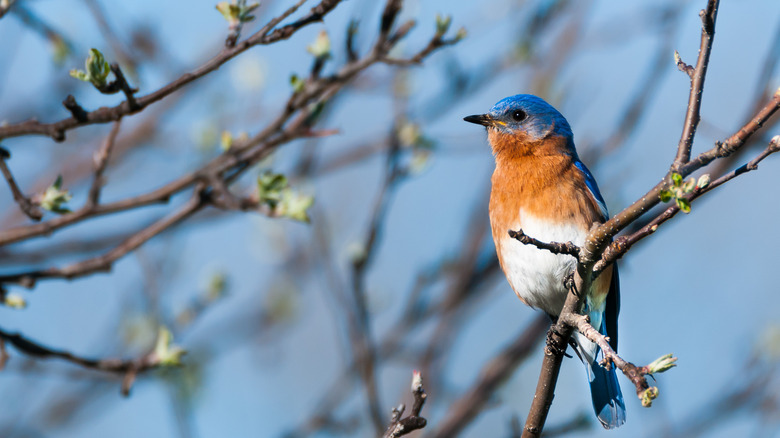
541	186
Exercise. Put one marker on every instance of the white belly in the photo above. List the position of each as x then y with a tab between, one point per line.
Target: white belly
537	275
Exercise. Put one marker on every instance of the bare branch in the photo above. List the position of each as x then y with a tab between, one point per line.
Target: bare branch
101	161
402	426
129	368
692	116
25	204
57	130
554	247
622	244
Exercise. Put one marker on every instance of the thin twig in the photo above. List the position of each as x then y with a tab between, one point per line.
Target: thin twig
100	160
554	247
25	204
692	117
129	368
622	244
400	426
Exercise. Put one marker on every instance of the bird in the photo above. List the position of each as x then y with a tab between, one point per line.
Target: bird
541	186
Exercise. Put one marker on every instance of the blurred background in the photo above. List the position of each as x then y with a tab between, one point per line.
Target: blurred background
398	255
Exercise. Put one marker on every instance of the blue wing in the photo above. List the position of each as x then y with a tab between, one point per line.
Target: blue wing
593	187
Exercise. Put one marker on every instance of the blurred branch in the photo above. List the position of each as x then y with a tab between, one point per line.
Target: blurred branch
129	368
5	6
25	204
101	161
493	374
267	35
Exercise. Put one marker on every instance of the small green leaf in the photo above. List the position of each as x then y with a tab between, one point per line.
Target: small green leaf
54	198
225	140
168	354
297	83
663	363
677	179
665	195
442	24
229	11
217	286
269	188
14	301
703	181
648	396
320	48
689	185
684	204
80	75
96	69
295	205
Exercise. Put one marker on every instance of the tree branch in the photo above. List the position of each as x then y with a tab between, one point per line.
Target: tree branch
265	36
129	368
402	426
25	204
692	117
554	247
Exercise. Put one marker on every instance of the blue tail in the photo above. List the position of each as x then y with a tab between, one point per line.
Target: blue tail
604	387
606	396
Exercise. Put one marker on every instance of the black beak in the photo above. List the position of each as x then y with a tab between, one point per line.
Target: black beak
480	119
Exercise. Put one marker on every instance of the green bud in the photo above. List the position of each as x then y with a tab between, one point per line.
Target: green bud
320	48
460	34
684	204
216	287
648	396
296	206
297	83
230	11
703	181
689	185
409	133
677	179
665	195
269	188
96	69
54	198
225	140
168	354
15	301
442	24
663	363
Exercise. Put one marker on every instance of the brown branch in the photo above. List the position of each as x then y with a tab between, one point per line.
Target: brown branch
25	204
129	368
436	42
402	426
493	375
622	244
124	86
265	36
105	261
692	116
75	109
634	373
554	247
100	160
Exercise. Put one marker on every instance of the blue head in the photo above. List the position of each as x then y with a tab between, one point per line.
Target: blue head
526	116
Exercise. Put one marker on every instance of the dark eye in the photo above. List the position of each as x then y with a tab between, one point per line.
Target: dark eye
518	115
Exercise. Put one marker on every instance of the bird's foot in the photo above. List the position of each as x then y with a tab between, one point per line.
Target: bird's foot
553	346
568	281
